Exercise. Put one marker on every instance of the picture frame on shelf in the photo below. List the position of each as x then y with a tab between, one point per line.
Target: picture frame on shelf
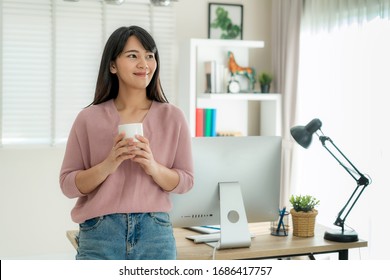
225	21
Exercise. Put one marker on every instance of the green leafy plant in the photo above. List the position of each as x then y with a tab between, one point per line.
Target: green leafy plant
265	78
228	28
305	203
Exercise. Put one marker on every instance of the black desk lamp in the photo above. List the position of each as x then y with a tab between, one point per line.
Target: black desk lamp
303	136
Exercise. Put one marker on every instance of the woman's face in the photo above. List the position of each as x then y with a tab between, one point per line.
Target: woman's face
135	66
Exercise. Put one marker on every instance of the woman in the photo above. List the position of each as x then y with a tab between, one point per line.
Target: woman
123	185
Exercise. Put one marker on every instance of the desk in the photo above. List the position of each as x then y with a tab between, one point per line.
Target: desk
264	245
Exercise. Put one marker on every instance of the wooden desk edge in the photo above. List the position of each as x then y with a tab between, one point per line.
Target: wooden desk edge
187	250
264	245
72	236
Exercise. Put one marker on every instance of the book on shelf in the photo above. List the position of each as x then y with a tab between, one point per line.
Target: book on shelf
215	76
206	122
229	133
209	69
199	122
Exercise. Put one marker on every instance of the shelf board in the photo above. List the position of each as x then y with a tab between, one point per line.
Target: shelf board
227	43
240	96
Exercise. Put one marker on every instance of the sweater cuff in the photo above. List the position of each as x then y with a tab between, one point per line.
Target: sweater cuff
69	186
185	182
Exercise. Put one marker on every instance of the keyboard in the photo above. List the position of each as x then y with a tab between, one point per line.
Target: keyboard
208	237
205	238
205	229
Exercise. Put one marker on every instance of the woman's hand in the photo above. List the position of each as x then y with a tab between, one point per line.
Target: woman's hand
88	180
165	177
142	154
121	150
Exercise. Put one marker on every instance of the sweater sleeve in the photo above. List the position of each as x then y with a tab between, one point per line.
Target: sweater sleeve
183	160
72	163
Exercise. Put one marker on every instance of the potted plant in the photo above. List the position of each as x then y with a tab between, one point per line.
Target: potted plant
303	214
265	81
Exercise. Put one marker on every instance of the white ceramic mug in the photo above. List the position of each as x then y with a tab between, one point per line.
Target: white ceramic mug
131	129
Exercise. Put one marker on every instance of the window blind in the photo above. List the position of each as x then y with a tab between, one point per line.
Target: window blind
50	54
77	50
163	29
26	71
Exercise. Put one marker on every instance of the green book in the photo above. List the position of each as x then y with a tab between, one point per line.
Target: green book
209	122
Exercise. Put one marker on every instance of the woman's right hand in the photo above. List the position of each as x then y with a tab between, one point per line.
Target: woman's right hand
88	180
120	151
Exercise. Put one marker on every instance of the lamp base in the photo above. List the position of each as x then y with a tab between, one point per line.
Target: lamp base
338	235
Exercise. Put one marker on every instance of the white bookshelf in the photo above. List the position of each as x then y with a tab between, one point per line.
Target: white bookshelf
233	110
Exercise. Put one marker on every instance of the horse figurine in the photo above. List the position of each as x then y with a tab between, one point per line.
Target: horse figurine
248	72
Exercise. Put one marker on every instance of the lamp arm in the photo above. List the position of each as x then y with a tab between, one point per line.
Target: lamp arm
340	221
361	181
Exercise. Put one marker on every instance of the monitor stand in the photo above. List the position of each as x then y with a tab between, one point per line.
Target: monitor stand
234	224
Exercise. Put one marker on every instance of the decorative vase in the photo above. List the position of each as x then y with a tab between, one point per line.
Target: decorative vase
303	222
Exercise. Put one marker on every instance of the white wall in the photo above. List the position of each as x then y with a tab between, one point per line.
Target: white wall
34	214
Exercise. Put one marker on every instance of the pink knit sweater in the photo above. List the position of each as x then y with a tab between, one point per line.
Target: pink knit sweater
129	189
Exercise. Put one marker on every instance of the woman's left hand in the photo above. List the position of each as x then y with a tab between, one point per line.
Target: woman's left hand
165	177
144	156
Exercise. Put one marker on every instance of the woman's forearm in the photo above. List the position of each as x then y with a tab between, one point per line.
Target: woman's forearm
88	180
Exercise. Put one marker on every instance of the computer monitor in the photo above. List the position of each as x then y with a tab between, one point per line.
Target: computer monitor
236	181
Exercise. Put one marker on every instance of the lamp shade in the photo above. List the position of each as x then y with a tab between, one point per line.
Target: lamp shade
304	134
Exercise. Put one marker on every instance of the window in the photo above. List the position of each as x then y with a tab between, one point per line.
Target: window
344	82
49	56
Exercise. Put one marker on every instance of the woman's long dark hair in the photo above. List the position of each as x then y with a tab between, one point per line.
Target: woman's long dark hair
107	85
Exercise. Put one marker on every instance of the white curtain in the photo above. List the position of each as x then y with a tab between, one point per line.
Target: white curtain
286	16
344	81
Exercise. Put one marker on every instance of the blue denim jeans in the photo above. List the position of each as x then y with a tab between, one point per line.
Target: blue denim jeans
139	236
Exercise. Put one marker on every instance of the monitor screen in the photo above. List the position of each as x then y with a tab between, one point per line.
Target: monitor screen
253	162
